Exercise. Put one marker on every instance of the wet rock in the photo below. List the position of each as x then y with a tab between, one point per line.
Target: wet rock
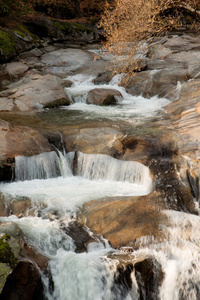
6	170
79	234
123	220
163	166
104	77
103	96
194	184
149	276
11	229
122	281
24	283
9	254
31	254
95	139
161	83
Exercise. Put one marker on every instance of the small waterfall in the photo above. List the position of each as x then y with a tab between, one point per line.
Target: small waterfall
42	166
99	166
89	166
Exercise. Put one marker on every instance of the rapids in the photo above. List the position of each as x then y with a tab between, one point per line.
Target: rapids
58	190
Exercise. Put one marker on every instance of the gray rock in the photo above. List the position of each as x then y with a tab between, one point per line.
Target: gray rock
16	68
33	92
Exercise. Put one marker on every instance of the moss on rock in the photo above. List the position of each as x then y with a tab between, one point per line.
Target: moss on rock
71	27
7	45
6	253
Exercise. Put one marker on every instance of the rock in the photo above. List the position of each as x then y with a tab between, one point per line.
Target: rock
163	160
31	254
10	228
161	83
65	60
32	53
18	140
79	235
186	119
59	102
97	138
149	276
61	30
194	184
122	280
158	51
16	69
123	220
197	108
34	91
6	104
9	254
183	43
104	77
103	96
24	283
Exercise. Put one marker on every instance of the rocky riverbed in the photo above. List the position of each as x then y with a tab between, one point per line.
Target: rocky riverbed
36	87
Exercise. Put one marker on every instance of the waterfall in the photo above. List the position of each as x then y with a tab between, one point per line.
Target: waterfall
99	166
41	166
90	166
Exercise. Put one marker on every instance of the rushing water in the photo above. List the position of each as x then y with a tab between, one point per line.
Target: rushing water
129	108
54	190
58	185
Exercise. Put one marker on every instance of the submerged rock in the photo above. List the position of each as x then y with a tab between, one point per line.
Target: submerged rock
149	276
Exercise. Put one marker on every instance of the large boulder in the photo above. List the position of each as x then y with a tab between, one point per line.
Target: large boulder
24	283
123	220
33	92
100	96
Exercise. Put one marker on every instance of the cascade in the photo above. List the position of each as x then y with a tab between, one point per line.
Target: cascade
101	166
59	184
41	166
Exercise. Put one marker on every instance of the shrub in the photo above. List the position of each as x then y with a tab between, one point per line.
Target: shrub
132	25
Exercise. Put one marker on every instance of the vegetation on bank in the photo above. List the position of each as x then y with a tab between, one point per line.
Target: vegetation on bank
132	25
60	9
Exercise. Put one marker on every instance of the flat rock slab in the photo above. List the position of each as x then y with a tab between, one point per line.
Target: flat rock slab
33	92
71	59
123	220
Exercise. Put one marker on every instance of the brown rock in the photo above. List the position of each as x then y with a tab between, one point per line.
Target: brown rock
149	276
103	96
123	220
24	283
16	69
